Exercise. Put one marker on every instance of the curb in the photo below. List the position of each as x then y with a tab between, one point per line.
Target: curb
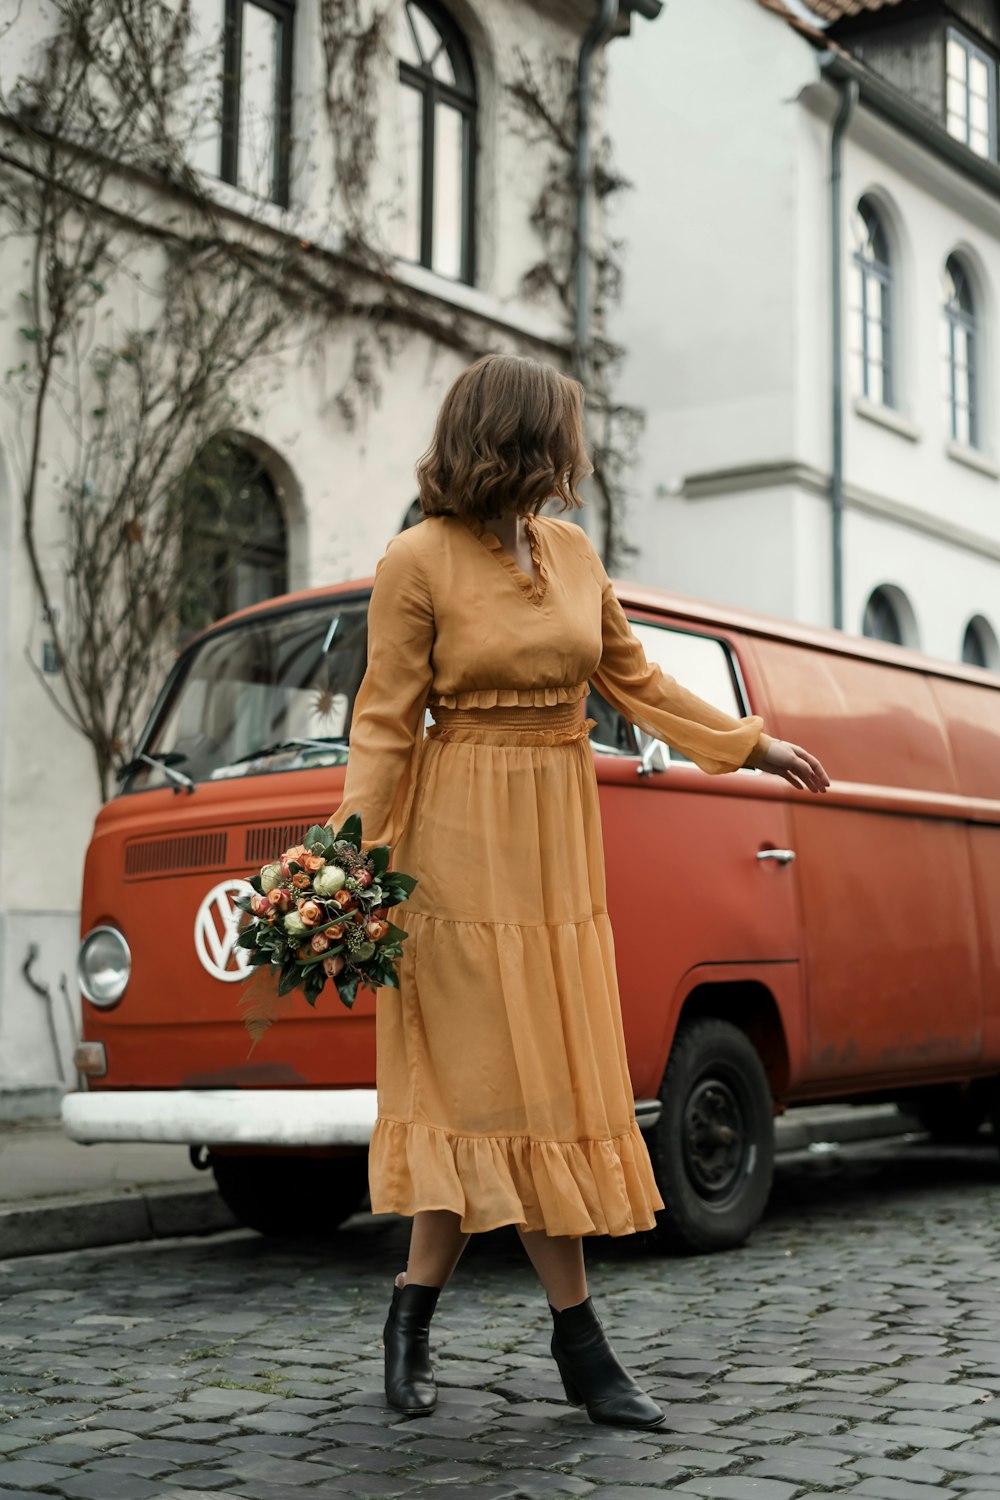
48	1225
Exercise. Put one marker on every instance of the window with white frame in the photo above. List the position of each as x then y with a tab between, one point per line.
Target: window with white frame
962	354
872	344
437	111
257	96
979	644
971	97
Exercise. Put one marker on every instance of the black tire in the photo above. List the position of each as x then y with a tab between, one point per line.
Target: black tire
285	1196
951	1114
715	1190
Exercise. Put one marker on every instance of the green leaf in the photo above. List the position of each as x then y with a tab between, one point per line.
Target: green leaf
391	979
318	834
404	882
289	981
363	952
255	882
247	938
351	831
242	903
348	989
380	859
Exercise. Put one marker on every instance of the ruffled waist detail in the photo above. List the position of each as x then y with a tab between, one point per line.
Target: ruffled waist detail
560	724
533	697
561	1187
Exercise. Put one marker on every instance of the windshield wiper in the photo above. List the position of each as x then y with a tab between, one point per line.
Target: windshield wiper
296	744
164	761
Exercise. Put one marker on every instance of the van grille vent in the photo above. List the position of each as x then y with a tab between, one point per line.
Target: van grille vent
264	844
191	851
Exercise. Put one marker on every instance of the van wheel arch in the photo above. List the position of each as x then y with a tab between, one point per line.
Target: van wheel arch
751	1007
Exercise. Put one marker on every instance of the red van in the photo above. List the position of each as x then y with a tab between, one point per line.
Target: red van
773	948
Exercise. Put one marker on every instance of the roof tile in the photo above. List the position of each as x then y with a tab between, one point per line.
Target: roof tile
838	10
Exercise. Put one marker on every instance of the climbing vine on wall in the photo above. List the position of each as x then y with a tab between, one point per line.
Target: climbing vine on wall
545	104
149	320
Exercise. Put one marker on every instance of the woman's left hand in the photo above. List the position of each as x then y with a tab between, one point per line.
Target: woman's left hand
796	766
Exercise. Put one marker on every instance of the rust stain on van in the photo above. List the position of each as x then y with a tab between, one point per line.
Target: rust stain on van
935	1049
248	1075
836	1057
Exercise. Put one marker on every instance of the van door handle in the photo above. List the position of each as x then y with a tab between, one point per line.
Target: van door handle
783	856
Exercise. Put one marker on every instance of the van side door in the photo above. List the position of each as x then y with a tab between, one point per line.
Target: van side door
883	868
696	872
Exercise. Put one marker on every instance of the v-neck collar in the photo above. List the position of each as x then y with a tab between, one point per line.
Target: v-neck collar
533	589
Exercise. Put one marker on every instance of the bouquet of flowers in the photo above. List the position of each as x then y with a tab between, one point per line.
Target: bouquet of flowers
319	913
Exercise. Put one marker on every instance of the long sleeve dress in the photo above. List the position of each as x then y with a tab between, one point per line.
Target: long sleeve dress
503	1085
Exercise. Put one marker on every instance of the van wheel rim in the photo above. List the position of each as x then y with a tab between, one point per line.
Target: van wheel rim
715	1140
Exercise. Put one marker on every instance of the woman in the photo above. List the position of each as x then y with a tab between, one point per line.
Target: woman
503	1086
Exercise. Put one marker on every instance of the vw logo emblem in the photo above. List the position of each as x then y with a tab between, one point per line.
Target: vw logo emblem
216	927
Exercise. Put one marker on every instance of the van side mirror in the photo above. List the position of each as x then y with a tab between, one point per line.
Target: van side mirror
653	755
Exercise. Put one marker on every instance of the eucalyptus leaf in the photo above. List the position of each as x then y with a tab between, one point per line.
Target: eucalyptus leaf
351	831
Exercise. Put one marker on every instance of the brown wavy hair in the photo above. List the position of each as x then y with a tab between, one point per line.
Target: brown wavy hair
509	435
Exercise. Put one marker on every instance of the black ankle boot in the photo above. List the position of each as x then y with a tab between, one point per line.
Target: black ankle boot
591	1374
409	1380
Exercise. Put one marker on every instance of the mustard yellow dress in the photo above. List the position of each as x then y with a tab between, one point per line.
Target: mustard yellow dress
502	1080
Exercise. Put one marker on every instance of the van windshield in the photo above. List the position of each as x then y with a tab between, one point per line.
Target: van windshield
273	694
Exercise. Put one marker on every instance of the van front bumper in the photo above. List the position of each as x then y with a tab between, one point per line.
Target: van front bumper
223	1117
237	1117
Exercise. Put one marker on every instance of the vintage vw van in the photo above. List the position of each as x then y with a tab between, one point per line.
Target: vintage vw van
773	948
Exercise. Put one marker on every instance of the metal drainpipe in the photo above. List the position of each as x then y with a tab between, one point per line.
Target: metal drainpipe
596	35
848	101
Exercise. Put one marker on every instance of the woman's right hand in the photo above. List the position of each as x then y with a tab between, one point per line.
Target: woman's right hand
796	766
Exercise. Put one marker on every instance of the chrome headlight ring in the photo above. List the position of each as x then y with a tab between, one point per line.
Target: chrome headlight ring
104	966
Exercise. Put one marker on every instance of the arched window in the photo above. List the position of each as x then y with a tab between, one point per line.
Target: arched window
235	542
872	300
438	112
962	354
888	616
979	645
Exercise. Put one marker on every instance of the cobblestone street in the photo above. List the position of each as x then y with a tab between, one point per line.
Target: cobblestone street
853	1347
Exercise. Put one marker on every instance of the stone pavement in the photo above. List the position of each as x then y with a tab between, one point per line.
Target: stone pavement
852	1349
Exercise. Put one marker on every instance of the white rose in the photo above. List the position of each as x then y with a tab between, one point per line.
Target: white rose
270	876
329	880
294	924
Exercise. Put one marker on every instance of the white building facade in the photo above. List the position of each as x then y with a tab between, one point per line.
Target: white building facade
456	179
747	127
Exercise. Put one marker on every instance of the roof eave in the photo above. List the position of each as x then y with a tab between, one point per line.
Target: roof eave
884	100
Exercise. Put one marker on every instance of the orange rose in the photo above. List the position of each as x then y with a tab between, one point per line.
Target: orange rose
311	912
259	905
376	931
344	900
335	932
312	862
319	942
333	966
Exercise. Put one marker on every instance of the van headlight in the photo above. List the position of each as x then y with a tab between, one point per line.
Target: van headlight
103	966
